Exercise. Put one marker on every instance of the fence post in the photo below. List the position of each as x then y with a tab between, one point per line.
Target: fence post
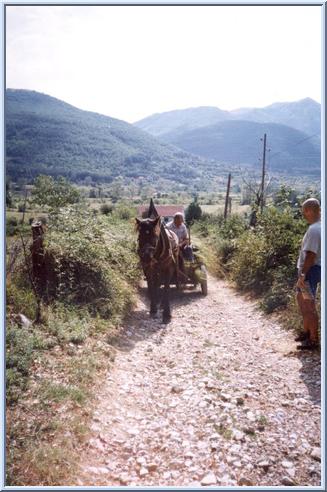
38	263
227	196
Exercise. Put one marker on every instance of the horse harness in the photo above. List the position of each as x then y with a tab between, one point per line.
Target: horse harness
167	252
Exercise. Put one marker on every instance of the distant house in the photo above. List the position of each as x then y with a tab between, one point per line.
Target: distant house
167	212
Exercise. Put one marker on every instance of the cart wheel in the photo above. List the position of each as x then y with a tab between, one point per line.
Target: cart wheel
204	280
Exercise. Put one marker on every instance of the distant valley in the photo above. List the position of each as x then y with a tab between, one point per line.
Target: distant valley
293	134
189	148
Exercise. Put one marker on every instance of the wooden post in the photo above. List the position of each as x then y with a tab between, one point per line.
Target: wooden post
230	205
24	209
37	250
227	196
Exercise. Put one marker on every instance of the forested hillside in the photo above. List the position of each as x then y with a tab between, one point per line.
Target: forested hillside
239	142
46	135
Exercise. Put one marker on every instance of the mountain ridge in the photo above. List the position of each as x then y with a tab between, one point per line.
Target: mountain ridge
47	135
239	142
287	113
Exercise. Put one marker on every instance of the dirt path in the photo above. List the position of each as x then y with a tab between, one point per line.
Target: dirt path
219	397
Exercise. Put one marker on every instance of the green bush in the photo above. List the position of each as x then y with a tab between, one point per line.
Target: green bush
20	346
280	293
193	212
263	259
11	226
20	298
68	324
248	266
225	250
125	213
216	225
91	262
54	192
221	234
106	209
12	221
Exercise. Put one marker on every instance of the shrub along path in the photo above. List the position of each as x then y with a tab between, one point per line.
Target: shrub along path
219	397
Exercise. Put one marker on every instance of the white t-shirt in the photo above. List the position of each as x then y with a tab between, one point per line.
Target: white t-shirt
181	231
311	242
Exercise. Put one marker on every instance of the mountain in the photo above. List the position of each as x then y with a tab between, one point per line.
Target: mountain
303	115
182	120
238	142
46	135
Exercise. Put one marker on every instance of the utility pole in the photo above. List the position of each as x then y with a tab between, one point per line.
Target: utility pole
227	196
263	172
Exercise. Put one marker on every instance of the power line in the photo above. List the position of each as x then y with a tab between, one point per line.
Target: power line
295	145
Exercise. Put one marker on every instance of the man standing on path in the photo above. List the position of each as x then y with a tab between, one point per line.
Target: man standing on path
309	275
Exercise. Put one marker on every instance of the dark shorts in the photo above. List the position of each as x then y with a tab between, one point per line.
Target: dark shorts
313	277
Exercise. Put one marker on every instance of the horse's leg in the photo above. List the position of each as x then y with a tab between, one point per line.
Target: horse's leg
153	291
166	314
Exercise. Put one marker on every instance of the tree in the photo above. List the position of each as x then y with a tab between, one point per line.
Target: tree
286	196
193	212
255	194
54	193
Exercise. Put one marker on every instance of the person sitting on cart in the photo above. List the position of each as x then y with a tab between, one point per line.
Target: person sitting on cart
179	228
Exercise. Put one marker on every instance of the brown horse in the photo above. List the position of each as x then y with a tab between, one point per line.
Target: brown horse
158	252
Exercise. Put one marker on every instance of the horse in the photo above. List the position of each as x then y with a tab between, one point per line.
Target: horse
158	252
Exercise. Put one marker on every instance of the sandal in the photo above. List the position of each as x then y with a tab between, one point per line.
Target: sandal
308	345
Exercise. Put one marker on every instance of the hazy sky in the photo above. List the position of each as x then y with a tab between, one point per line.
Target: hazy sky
130	62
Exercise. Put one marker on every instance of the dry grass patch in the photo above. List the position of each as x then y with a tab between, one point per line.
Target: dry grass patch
49	424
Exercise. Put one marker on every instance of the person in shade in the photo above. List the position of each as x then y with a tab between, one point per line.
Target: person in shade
179	228
309	275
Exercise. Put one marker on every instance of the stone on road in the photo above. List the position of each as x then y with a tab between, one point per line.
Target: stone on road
219	397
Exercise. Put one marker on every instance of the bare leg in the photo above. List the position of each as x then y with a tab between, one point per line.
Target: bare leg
300	302
310	317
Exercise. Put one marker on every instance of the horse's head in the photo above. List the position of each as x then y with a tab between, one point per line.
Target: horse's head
149	232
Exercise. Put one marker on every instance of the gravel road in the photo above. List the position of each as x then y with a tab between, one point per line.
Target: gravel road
219	397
